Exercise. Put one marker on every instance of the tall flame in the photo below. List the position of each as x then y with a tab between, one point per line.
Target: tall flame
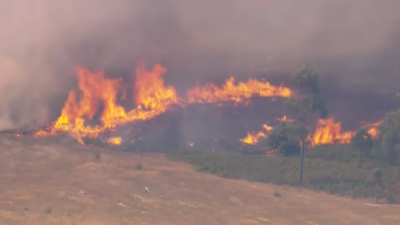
98	92
328	132
96	101
237	93
150	89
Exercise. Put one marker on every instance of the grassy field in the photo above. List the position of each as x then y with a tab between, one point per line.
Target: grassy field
332	169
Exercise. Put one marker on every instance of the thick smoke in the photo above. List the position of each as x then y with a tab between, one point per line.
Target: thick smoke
355	43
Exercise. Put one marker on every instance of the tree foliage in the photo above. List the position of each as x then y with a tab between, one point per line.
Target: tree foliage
307	80
362	142
286	138
308	101
304	106
390	135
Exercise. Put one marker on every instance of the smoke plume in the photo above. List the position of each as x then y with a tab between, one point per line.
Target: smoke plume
354	43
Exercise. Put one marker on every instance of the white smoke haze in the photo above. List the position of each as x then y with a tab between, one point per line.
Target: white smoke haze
42	41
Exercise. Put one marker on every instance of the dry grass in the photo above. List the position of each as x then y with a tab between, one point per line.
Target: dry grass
53	181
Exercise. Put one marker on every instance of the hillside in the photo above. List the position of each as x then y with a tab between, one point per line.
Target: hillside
55	181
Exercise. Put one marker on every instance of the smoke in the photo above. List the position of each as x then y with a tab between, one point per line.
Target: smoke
356	43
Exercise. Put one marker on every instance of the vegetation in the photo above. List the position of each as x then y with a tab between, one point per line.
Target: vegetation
341	175
362	141
304	106
97	156
364	168
390	136
284	138
277	194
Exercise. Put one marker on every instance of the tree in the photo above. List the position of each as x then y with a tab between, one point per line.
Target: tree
284	139
378	173
305	106
390	136
362	142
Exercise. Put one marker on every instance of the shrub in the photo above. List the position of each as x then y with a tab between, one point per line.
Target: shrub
97	156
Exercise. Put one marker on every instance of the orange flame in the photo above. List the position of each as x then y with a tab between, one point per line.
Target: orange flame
271	152
97	100
328	132
115	141
374	132
237	93
252	137
284	118
373	129
191	144
40	133
150	89
152	98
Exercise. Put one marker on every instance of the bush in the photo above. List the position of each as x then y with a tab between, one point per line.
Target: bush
139	166
97	156
378	173
277	194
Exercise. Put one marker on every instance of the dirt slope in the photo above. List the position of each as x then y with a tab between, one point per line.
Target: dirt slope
53	181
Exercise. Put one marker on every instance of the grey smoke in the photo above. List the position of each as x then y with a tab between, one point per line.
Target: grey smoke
356	42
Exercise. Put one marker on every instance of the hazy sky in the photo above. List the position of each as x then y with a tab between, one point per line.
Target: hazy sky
41	42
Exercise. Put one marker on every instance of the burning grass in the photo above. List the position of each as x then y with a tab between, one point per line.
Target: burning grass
97	101
95	109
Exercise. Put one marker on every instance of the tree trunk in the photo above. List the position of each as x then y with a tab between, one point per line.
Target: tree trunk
360	165
301	161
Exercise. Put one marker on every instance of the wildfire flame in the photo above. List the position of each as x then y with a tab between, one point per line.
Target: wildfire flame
151	92
374	132
373	129
328	132
152	99
115	141
96	102
237	93
252	137
284	118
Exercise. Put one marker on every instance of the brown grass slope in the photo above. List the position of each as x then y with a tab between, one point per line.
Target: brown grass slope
54	181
